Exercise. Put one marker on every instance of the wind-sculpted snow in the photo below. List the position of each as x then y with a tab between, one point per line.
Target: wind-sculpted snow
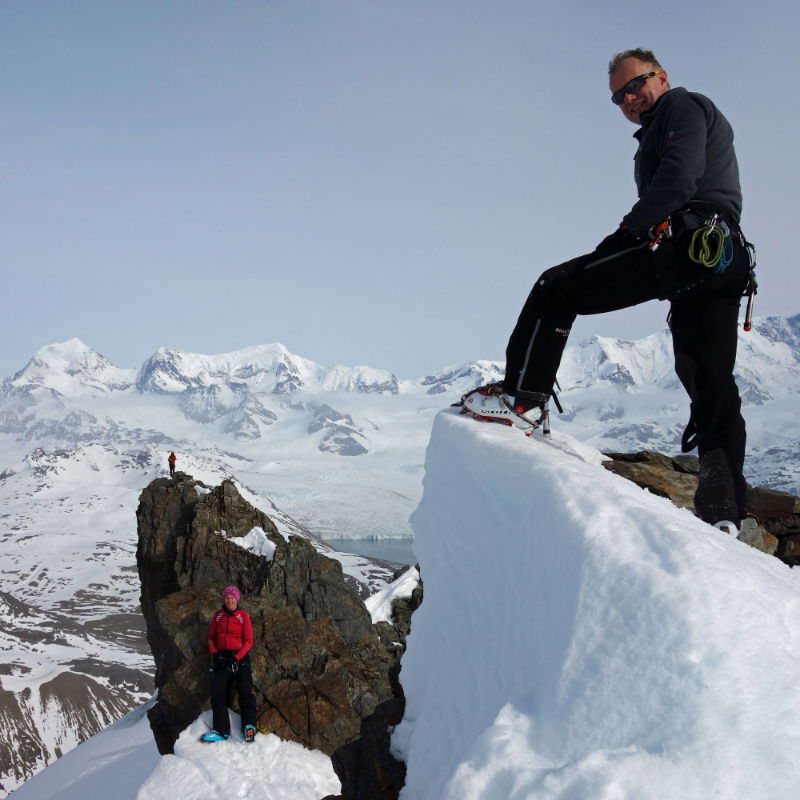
269	768
581	638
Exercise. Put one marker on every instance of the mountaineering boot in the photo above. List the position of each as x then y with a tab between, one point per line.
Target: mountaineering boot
490	403
214	736
726	526
745	530
249	733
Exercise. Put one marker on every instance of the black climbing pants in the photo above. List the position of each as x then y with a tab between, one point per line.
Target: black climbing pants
703	319
221	680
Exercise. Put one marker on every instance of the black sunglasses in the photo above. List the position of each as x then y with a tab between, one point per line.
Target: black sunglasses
632	86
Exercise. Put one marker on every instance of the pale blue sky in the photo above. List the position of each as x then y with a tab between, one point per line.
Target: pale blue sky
368	182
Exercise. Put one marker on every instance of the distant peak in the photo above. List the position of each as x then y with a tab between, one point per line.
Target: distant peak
72	367
71	348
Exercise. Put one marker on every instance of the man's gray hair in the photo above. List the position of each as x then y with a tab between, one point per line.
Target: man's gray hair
638	52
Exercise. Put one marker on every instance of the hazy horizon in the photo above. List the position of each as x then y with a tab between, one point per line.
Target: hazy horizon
366	183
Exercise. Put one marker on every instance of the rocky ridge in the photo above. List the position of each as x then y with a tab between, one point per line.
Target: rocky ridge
324	675
777	513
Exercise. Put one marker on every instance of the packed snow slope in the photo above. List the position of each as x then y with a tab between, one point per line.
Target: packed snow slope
583	639
122	763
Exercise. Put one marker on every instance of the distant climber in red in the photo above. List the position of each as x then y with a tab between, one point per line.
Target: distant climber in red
171	460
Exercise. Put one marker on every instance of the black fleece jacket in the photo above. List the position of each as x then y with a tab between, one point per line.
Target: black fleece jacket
685	154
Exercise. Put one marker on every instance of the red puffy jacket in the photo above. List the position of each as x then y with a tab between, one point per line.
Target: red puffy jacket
231	630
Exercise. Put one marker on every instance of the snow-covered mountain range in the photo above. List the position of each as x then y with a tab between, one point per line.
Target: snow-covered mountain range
335	451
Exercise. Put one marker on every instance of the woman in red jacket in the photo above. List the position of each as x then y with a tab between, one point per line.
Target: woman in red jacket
229	641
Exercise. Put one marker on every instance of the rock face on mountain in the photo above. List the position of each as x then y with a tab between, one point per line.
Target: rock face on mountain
320	666
777	513
79	693
340	435
366	766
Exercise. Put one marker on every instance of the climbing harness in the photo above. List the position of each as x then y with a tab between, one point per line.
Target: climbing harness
711	245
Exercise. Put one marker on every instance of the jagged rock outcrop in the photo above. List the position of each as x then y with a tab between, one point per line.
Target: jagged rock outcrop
319	665
777	513
366	766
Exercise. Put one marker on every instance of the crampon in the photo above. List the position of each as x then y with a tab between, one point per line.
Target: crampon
490	403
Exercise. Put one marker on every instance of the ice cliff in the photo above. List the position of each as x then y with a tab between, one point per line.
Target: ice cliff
582	638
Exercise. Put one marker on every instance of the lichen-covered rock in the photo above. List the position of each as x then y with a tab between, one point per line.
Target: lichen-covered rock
366	766
777	513
656	473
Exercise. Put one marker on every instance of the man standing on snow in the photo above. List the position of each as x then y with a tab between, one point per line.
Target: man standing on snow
681	241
